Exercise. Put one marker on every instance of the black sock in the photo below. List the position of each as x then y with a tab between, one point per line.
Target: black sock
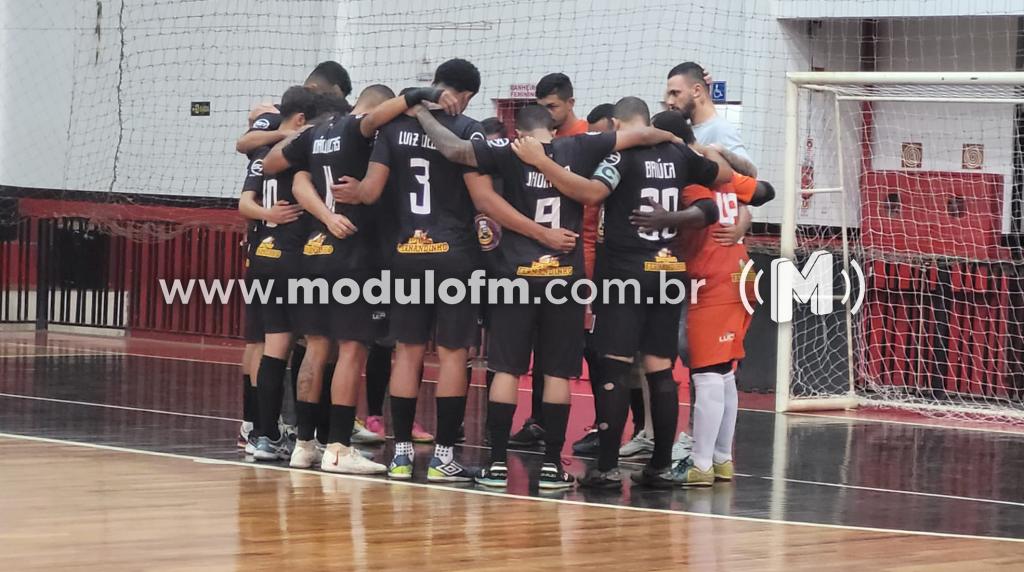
613	408
298	354
450	411
323	406
250	403
556	417
664	416
499	425
343	417
270	389
489	377
306	415
403	413
594	371
636	406
537	397
378	373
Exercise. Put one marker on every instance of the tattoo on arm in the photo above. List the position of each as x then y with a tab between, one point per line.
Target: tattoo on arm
449	144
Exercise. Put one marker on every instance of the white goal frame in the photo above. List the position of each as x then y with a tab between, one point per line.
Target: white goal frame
791	194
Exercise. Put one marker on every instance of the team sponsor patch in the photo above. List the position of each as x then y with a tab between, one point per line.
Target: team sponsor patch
503	142
421	243
267	248
477	136
488	232
315	246
261	123
664	261
546	266
256	168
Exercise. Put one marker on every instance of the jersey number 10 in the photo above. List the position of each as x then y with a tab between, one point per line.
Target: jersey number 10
269	197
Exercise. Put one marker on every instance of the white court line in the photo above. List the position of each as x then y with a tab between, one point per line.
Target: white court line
205	461
590	396
623	462
46	355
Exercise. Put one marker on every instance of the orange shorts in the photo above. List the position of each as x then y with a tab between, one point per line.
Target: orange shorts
715	333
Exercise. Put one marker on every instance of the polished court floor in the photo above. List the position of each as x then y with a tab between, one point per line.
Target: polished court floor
123	451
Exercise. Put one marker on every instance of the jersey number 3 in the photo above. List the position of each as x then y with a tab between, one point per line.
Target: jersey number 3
419	202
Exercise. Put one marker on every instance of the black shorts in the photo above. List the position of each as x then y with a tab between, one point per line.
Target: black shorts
556	329
357	321
253	319
627	328
451	326
278	315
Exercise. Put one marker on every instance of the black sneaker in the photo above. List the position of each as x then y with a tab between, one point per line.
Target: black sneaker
589	445
531	435
654	478
553	477
494	476
596	479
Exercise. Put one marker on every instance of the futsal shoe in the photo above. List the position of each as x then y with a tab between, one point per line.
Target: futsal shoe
685	473
597	479
654	478
341	459
723	471
375	424
400	468
682	447
530	436
267	450
363	436
589	445
638	446
250	444
552	477
243	434
306	454
420	435
451	472
494	476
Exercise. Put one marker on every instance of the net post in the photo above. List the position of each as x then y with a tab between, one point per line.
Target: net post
787	242
844	200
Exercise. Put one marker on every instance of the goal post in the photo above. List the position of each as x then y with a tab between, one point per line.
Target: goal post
909	176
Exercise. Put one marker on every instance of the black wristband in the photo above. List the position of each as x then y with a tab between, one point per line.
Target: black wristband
416	95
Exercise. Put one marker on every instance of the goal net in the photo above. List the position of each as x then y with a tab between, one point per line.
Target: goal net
907	186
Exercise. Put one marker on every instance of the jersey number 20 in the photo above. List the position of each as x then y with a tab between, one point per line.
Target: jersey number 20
669	200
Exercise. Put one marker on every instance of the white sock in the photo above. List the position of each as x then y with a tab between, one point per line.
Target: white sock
707	417
723	445
445	453
404	448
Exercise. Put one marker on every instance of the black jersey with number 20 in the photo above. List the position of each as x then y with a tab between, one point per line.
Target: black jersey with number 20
658	173
434	211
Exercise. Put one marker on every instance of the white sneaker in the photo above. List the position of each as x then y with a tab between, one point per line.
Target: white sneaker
682	447
638	446
243	434
363	436
306	454
341	459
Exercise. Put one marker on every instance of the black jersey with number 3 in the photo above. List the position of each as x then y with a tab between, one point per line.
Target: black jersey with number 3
530	192
658	173
334	149
273	240
434	211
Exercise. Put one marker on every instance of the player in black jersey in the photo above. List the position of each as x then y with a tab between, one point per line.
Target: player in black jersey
634	180
277	247
343	244
434	234
329	80
557	327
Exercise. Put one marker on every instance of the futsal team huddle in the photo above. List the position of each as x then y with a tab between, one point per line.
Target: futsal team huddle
410	185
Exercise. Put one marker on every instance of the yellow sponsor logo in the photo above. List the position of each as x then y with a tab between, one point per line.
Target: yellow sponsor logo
266	249
545	266
315	246
421	243
665	261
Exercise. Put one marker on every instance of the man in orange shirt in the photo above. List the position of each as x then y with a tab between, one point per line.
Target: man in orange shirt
555	93
717	321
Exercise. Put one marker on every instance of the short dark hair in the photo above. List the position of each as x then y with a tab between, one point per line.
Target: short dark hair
377	92
603	111
555	83
675	123
630	107
332	73
534	117
459	75
297	99
329	104
691	70
493	126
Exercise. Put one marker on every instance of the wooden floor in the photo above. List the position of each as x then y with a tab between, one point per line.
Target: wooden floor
71	506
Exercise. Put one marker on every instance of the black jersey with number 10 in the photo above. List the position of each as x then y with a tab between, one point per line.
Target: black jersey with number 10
533	195
657	173
434	211
273	241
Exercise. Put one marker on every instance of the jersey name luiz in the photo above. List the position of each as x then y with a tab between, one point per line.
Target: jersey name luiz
414	139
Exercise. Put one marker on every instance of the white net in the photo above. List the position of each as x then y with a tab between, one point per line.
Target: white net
926	179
